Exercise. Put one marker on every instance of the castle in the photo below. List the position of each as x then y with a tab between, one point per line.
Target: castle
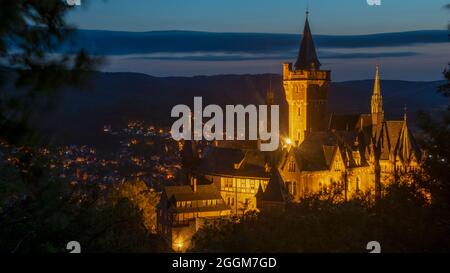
356	153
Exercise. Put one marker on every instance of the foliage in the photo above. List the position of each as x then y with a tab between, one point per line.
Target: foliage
40	211
141	196
30	31
398	221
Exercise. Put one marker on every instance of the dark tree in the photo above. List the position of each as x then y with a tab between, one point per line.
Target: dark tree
29	32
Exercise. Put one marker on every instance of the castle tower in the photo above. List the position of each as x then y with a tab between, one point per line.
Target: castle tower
376	104
306	90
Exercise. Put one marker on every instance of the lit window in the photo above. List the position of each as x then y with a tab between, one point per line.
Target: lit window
291	166
228	183
337	166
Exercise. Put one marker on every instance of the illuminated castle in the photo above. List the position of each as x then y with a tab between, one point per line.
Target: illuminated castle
321	153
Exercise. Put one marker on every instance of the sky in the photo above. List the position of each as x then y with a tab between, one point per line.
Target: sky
338	17
416	61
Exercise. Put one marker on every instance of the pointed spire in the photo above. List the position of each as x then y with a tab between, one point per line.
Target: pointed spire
405	109
377	99
376	86
405	145
307	56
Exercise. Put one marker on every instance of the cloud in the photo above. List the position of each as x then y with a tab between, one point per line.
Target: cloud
243	56
126	43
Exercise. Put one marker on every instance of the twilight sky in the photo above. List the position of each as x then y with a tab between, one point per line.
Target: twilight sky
268	16
196	54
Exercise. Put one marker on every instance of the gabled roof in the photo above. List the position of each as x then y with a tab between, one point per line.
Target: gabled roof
398	141
176	194
389	137
234	162
307	56
276	189
186	192
407	149
314	151
319	150
329	153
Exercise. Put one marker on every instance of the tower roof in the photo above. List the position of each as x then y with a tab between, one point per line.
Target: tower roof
307	56
275	191
376	86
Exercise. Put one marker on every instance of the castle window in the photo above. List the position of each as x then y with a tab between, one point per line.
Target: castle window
189	204
228	184
289	187
357	184
232	201
291	166
299	111
243	184
252	185
228	201
337	166
294	188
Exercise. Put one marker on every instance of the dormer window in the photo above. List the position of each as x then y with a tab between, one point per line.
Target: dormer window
291	166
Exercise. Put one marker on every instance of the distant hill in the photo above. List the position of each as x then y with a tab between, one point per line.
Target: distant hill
79	114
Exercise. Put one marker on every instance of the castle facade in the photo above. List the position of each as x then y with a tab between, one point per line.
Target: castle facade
355	153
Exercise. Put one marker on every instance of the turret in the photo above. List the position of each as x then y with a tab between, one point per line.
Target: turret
306	90
376	105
